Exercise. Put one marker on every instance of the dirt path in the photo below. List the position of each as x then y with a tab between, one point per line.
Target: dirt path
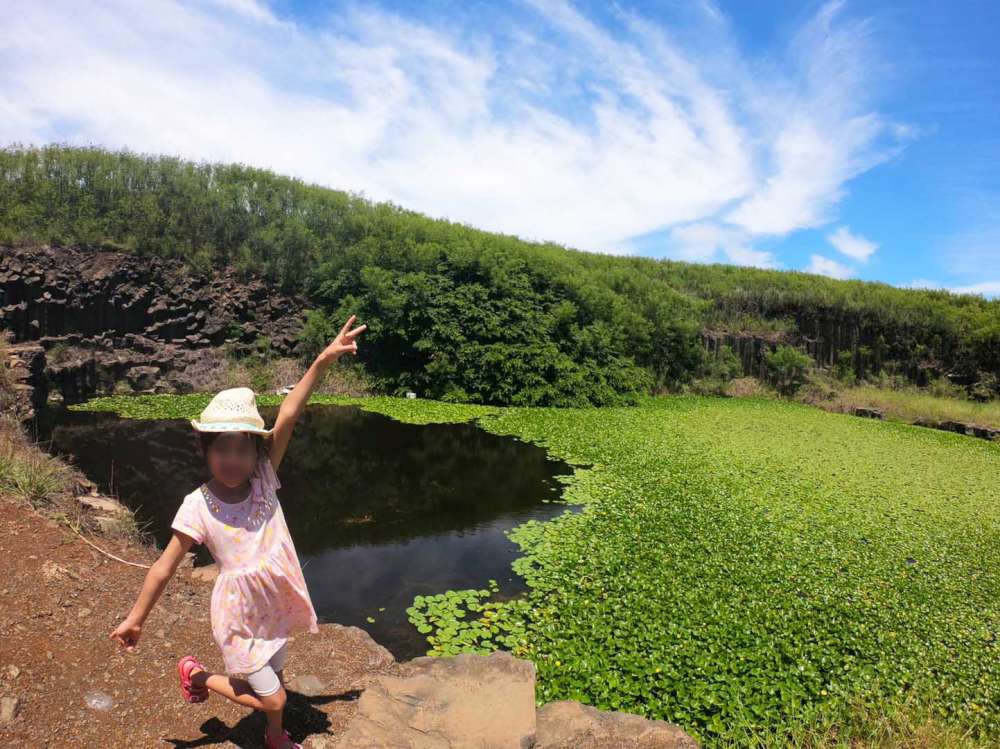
59	600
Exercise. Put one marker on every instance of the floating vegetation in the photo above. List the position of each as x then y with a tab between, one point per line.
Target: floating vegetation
752	570
757	571
189	405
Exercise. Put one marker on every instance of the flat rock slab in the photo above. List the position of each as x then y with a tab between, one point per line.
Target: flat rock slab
464	702
570	725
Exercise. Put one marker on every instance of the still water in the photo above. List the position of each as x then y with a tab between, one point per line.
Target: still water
379	511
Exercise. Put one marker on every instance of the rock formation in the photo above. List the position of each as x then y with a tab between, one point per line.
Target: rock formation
82	321
476	701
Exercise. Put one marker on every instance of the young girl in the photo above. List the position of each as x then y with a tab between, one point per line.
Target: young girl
260	596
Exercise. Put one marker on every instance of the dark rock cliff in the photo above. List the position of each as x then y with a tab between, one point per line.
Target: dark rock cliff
82	321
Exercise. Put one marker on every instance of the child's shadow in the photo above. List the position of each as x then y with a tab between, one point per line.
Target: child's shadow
301	720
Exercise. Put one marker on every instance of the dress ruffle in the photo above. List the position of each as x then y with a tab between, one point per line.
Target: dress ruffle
266	604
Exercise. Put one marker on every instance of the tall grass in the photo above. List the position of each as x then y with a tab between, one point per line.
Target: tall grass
911	404
27	472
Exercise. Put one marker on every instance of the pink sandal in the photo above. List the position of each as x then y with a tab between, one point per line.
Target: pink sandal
284	735
184	668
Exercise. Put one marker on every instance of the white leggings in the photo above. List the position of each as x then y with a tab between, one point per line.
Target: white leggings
264	681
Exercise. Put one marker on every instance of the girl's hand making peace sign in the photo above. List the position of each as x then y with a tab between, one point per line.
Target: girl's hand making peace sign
344	343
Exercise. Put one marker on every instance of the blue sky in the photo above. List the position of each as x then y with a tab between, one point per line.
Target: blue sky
846	138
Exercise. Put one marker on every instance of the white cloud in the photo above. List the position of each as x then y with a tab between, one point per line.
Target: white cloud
987	289
817	129
972	250
251	9
827	267
984	288
710	242
569	133
922	283
853	245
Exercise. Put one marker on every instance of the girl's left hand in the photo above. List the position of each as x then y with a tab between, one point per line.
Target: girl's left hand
344	343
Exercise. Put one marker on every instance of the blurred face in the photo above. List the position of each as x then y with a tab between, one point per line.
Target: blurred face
231	458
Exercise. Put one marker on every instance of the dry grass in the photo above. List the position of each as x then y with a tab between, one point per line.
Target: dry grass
743	387
217	370
49	485
25	471
911	727
907	404
740	387
33	476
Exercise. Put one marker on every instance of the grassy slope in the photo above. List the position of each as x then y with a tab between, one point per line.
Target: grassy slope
757	571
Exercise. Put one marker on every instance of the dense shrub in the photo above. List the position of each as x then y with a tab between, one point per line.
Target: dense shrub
787	368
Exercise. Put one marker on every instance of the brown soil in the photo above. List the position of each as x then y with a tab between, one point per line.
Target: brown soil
59	601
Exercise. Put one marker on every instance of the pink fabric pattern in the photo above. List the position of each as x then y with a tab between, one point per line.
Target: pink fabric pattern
260	596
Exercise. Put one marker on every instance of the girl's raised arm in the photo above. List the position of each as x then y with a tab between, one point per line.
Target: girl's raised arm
295	401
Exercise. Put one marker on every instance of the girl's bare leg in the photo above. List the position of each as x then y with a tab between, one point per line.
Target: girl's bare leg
240	692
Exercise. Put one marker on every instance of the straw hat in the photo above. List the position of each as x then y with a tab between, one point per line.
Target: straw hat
232	410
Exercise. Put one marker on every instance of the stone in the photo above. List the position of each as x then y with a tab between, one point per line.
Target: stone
103	504
52	571
869	413
986	433
961	427
308	684
207	573
101	303
570	725
462	702
83	484
109	524
322	742
9	707
345	660
142	377
953	426
26	370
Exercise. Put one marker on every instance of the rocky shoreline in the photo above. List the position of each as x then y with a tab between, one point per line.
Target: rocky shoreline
958	427
346	690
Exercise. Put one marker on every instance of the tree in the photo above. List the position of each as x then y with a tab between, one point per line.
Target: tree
786	368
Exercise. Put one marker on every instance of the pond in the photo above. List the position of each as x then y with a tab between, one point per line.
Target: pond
380	511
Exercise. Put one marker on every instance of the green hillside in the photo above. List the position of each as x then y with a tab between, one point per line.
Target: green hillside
461	314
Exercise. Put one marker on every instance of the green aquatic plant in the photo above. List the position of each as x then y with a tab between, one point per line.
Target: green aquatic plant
189	405
752	569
